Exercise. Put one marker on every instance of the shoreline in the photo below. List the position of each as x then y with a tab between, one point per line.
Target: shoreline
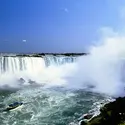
40	54
112	113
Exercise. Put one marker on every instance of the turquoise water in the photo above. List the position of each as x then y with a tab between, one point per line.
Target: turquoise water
47	106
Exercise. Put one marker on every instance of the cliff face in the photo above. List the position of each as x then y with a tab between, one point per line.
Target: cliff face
41	54
112	113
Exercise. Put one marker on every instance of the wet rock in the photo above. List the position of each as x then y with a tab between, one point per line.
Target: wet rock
82	122
87	116
21	81
112	113
31	82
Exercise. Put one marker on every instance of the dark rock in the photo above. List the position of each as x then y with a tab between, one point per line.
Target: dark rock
87	116
40	54
31	82
112	113
21	81
82	122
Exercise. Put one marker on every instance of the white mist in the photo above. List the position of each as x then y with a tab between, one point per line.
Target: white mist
103	68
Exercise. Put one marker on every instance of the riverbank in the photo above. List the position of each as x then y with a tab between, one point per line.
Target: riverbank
40	54
112	113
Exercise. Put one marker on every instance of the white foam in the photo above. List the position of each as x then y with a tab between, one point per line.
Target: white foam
103	68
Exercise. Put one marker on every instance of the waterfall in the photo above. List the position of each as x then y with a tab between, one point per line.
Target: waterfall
58	60
15	64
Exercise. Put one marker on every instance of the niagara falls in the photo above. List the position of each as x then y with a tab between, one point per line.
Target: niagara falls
62	62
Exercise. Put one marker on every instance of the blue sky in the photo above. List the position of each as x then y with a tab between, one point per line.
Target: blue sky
55	25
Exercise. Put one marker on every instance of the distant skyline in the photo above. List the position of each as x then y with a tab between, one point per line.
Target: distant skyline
38	26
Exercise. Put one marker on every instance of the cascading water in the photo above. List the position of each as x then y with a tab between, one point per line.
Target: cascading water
17	64
41	69
64	96
49	104
58	60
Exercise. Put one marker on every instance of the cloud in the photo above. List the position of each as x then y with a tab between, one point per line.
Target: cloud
23	40
107	32
66	10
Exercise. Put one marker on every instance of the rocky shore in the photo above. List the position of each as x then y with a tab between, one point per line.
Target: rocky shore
112	113
40	54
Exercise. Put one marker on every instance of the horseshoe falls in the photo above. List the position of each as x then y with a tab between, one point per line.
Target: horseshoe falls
46	69
58	89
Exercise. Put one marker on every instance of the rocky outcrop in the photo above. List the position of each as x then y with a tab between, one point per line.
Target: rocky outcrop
41	54
112	113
